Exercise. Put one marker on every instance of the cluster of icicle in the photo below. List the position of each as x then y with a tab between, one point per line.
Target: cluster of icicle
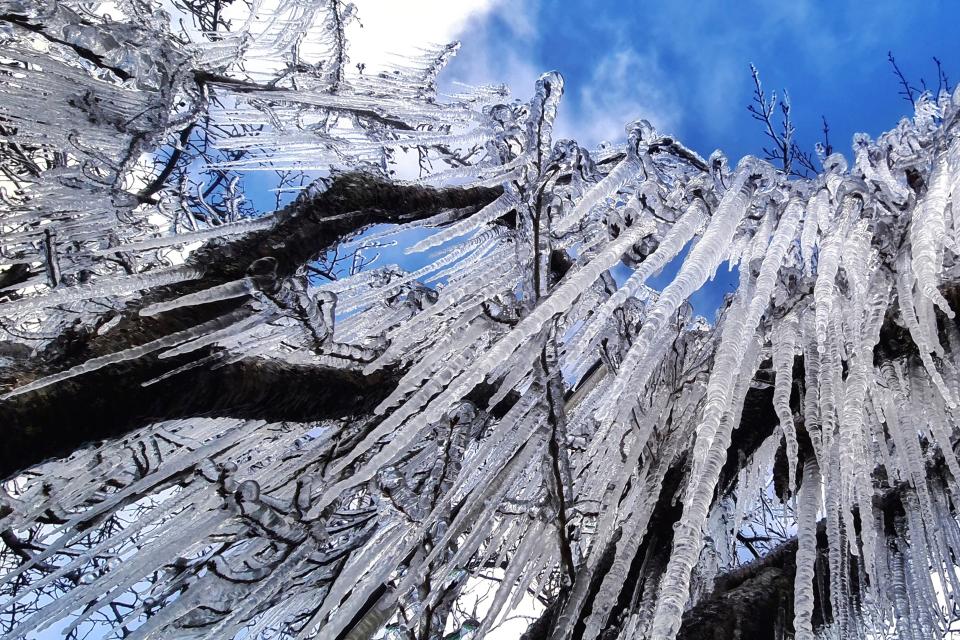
597	389
92	93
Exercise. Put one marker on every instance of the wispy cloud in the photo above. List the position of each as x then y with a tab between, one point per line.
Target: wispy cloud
499	49
625	86
505	45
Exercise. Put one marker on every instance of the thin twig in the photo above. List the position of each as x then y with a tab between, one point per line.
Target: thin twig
906	89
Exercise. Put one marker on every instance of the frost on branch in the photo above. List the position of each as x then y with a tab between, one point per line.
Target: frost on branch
284	439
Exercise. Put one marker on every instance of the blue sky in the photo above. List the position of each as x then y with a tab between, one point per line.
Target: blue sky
682	65
685	67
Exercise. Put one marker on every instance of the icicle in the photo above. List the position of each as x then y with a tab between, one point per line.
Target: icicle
461	251
413	380
227	291
878	171
918	566
489	491
633	511
375	557
928	230
803	596
757	247
673	241
211	337
518	562
700	263
132	353
496	209
811	380
824	290
709	450
851	425
103	288
412	419
859	260
920	337
202	362
784	345
905	623
475	174
739	328
459	386
639	135
220	231
626	548
688	533
816	206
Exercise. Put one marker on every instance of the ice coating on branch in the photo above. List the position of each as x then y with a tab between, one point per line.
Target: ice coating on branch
469	447
547	92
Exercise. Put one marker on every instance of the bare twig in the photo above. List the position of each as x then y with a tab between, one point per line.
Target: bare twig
907	90
784	150
827	147
943	82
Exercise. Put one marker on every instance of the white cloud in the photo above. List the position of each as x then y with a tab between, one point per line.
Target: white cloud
502	55
625	86
388	27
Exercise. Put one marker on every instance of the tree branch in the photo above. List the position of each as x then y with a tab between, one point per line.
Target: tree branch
111	401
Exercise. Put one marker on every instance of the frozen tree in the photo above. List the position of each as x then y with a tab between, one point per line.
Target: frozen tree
215	425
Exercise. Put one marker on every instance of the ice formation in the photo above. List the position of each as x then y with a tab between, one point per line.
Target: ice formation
518	415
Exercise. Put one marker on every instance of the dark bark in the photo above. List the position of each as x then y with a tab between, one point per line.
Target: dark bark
757	423
307	228
751	602
754	601
303	231
111	401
